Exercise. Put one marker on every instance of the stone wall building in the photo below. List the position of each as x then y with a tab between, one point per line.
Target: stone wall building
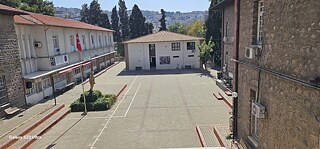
11	82
278	68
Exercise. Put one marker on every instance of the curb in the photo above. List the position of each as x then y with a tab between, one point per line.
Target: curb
226	102
26	145
203	143
26	131
101	72
123	88
217	134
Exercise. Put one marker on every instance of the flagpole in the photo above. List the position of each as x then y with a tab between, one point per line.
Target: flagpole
84	97
82	71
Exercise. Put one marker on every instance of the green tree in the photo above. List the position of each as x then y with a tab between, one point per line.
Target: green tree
135	23
104	21
196	29
115	24
178	28
11	3
163	20
84	13
149	28
94	13
38	6
124	20
213	31
205	51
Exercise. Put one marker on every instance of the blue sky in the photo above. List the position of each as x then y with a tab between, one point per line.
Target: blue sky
167	5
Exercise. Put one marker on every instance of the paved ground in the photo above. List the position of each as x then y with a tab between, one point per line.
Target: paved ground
158	109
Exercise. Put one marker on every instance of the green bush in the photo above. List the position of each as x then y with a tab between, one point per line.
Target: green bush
91	96
101	104
95	101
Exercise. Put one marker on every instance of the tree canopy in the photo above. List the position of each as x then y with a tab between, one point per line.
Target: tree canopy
115	24
137	23
178	28
196	29
124	20
37	6
163	20
93	15
213	31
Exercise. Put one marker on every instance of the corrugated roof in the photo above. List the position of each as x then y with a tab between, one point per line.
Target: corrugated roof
163	36
10	11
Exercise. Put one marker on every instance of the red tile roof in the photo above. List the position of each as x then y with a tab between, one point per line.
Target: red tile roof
10	11
39	19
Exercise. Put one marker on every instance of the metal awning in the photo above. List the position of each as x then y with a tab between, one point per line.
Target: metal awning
62	70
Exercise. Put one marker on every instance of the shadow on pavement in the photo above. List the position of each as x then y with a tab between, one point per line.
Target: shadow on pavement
159	72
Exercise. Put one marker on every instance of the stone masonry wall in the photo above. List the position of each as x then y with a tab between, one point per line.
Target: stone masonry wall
10	65
291	46
229	45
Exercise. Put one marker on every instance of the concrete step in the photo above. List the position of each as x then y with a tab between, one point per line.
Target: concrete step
13	137
36	134
6	105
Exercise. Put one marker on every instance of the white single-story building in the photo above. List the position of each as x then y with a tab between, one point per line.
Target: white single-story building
162	50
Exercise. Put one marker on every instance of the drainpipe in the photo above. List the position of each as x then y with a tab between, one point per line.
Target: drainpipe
236	70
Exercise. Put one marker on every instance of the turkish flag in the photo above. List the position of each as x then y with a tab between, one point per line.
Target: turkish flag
78	43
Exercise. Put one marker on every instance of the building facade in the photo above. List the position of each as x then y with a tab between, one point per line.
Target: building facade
278	81
162	50
49	57
227	48
11	81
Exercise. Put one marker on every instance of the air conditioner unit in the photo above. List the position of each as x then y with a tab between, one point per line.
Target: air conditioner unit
258	110
249	53
37	44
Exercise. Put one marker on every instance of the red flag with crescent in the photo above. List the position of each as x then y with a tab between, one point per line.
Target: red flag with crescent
78	43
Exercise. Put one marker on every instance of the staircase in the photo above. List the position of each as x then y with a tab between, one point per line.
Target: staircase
7	109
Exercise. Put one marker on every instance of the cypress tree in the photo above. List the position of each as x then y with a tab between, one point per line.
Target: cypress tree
163	21
124	20
94	13
104	21
213	30
84	13
115	24
137	23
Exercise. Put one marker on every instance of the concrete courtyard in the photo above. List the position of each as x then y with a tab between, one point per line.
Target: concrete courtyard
158	109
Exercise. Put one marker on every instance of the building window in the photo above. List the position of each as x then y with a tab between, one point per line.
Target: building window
55	42
164	60
46	83
109	36
190	55
254	120
100	44
72	43
105	41
77	71
3	93
260	22
152	47
227	28
175	56
191	45
32	90
175	46
84	41
92	41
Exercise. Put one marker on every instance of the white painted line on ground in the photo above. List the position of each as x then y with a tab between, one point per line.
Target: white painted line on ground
108	120
125	115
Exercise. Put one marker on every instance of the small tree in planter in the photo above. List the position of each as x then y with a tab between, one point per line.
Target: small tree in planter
205	49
